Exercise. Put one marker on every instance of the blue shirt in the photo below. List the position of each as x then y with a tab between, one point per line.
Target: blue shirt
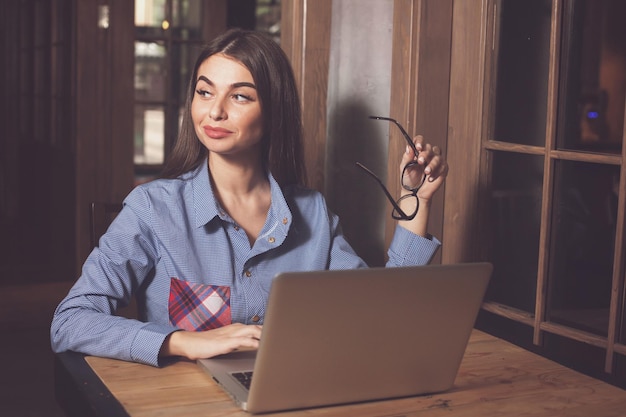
175	228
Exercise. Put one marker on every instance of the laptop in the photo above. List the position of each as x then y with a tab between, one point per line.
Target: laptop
346	336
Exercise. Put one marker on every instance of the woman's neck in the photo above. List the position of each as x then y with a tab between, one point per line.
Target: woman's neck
236	177
243	190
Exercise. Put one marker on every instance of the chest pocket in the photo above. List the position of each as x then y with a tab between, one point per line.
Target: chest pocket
197	307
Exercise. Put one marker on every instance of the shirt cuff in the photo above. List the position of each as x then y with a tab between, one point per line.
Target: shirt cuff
407	248
147	344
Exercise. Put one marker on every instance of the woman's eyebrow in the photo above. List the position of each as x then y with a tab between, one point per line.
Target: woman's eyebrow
205	79
244	84
234	85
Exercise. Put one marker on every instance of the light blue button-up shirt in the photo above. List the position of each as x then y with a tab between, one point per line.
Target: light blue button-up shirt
175	228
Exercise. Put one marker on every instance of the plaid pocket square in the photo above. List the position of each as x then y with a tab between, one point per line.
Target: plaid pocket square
198	307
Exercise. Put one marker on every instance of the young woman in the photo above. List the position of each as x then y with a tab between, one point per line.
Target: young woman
199	247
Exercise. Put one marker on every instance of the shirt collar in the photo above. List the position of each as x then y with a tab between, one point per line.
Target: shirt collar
206	207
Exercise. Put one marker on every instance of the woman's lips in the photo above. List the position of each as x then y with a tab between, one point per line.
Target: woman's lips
216	132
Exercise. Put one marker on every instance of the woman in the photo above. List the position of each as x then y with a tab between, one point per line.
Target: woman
199	247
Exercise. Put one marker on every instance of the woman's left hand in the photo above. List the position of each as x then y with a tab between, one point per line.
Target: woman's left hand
430	162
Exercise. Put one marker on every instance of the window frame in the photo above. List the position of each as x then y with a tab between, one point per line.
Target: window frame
471	116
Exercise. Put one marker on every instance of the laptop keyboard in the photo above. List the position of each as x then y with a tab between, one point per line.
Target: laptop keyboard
244	378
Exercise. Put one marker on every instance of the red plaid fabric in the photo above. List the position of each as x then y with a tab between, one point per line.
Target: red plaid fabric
198	307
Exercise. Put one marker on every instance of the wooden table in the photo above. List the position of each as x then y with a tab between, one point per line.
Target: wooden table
496	379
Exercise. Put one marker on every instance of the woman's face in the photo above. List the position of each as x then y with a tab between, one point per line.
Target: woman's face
225	109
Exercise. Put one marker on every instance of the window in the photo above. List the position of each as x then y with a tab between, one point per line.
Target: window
554	144
167	35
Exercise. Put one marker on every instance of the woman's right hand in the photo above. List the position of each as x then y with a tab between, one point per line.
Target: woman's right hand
209	343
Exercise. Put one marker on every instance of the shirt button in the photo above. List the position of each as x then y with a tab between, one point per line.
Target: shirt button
285	220
256	319
271	240
237	228
248	274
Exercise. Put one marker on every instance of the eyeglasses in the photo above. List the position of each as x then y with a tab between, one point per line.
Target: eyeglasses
397	212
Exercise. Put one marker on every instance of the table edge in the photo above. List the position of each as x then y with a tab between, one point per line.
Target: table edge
72	374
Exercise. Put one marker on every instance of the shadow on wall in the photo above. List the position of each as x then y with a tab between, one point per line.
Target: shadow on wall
350	192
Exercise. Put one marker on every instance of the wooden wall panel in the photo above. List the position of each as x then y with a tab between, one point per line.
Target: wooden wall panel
305	38
104	111
465	129
87	93
122	86
419	89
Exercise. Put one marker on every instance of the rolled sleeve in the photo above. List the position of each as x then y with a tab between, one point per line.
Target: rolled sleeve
147	343
407	248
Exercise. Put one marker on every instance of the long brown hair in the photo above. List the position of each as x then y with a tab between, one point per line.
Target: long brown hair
282	143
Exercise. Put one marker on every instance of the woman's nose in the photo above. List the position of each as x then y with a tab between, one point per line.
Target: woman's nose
217	111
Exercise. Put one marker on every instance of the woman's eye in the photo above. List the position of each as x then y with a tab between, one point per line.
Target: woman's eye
241	97
202	93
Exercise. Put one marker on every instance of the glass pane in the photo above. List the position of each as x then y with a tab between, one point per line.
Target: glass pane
583	236
150	12
515	213
183	57
268	18
186	13
151	18
594	73
522	71
149	134
150	71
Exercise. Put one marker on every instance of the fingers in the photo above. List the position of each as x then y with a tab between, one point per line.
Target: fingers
209	343
240	336
241	333
429	156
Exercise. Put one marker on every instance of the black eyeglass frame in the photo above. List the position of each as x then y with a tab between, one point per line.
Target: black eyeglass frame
397	213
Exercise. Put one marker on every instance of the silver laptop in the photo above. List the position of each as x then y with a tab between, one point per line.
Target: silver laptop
336	337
